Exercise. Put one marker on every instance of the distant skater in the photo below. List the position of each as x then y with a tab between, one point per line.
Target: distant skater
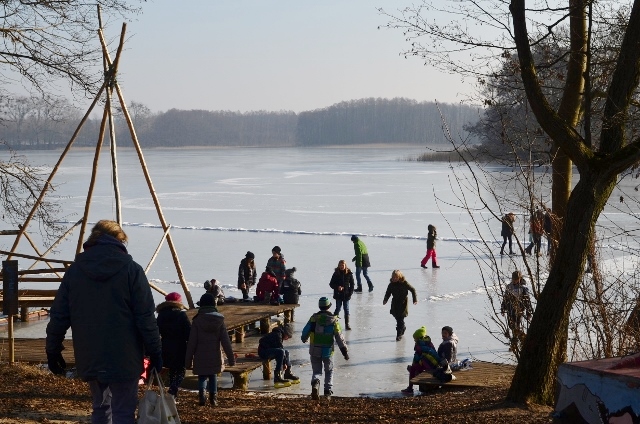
507	232
399	288
247	274
536	229
343	286
362	263
431	248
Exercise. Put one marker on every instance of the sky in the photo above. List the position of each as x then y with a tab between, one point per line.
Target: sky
244	55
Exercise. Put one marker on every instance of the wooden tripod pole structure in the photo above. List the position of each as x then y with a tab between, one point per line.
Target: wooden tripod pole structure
108	85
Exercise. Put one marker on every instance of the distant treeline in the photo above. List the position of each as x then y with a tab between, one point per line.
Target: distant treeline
31	123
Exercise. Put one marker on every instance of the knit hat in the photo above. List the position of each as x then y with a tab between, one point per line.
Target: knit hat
250	255
324	303
287	329
173	297
207	299
354	238
276	249
447	329
290	271
420	333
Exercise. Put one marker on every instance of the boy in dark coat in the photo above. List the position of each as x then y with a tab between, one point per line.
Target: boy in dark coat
208	334
271	347
291	290
174	328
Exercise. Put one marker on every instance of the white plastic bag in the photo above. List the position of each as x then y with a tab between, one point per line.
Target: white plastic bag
157	408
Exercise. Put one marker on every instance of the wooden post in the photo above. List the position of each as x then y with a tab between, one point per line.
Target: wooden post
266	370
12	342
92	182
240	334
147	176
153	257
265	325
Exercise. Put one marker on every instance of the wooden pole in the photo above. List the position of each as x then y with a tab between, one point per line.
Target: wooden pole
109	81
12	342
22	255
154	196
92	182
47	184
114	160
28	237
54	245
153	258
112	133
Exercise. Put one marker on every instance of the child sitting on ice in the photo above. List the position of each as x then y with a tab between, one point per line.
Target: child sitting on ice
425	357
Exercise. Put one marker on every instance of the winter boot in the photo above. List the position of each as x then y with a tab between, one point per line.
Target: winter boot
398	334
201	399
213	399
327	394
278	381
370	287
315	390
293	379
358	289
434	265
346	322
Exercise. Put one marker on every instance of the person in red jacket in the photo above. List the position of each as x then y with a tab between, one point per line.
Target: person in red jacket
267	283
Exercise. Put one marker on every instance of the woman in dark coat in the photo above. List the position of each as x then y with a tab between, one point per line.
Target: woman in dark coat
343	285
399	288
174	328
208	335
507	232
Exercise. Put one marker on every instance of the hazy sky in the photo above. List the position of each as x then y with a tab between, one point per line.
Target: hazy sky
271	55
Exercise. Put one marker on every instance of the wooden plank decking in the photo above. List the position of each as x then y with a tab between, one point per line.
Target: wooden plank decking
482	374
237	315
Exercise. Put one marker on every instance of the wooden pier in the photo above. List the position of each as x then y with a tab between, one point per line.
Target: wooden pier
237	317
482	374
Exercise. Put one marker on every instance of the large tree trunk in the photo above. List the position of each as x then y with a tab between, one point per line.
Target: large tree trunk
545	345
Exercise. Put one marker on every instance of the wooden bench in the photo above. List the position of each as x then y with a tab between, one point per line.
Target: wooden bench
247	360
481	374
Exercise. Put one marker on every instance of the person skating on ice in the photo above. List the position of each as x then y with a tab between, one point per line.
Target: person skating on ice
431	248
399	290
361	259
343	286
323	329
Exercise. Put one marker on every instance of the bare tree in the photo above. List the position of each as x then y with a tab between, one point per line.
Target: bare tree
44	43
599	163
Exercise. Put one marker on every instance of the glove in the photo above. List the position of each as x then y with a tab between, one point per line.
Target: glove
345	353
56	363
155	361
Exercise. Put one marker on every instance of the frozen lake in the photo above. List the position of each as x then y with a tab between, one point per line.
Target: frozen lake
224	202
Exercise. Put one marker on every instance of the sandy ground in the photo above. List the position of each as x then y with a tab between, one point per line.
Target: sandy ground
31	395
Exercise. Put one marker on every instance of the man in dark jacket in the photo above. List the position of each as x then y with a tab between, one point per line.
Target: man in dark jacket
106	300
271	347
361	259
